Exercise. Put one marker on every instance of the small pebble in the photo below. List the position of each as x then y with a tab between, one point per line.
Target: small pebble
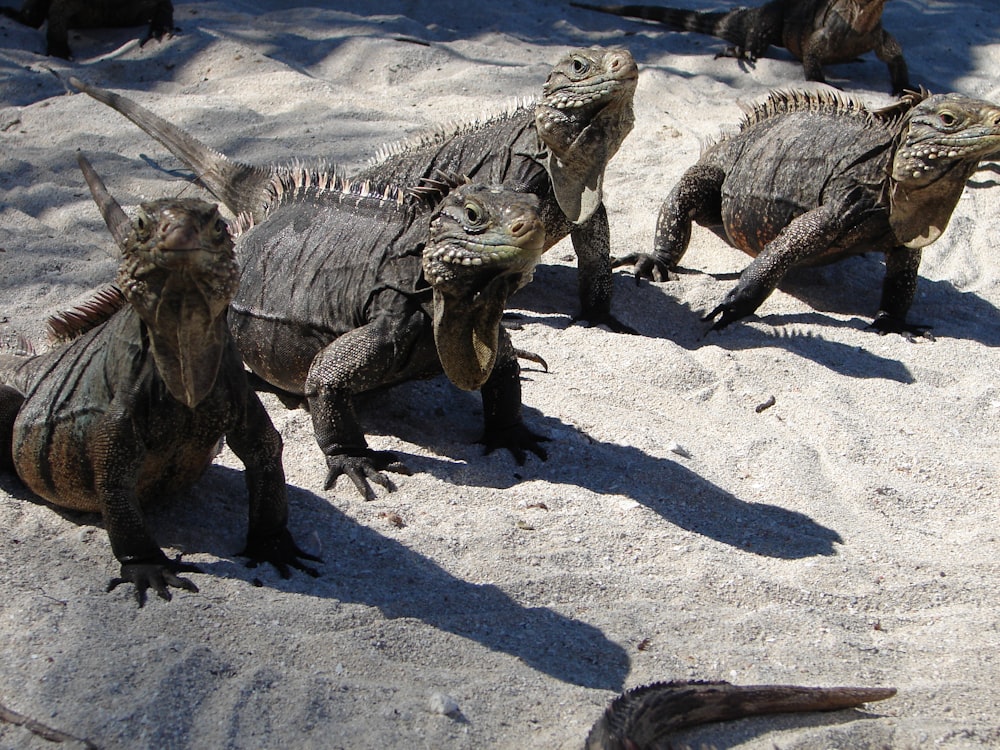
444	704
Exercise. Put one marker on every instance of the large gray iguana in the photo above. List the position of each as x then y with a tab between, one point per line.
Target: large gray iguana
134	408
558	147
64	15
813	177
814	31
645	718
345	289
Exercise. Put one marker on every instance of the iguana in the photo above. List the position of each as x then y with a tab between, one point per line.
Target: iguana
813	177
134	408
558	147
814	31
644	718
64	15
346	288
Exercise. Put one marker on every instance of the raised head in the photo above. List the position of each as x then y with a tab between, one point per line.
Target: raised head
179	272
483	245
943	140
583	117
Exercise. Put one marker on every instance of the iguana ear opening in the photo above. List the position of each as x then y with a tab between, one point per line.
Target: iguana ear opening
467	332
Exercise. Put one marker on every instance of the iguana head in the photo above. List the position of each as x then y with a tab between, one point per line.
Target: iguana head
583	117
944	137
179	272
483	245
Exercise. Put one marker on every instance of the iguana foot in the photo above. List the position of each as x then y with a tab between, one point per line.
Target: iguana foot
645	266
518	439
736	305
370	465
158	574
282	552
885	323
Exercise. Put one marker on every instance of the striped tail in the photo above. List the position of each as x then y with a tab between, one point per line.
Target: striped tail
733	26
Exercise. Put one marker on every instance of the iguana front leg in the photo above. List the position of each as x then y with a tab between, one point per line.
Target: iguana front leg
258	445
592	244
504	427
360	360
808	235
696	197
116	451
898	289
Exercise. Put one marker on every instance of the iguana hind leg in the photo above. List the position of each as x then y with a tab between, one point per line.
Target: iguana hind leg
890	52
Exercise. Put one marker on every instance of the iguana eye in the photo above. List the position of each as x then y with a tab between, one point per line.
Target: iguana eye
580	66
141	221
948	119
220	228
473	213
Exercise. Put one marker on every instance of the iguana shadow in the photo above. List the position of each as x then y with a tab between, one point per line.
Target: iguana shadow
849	287
366	567
676	493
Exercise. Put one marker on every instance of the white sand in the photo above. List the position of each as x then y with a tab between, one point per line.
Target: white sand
846	535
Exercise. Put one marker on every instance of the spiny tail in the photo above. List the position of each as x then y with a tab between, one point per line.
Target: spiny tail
641	717
730	25
242	188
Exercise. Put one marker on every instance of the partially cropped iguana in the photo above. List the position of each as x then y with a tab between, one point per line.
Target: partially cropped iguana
64	15
558	147
813	177
814	31
345	289
645	718
134	408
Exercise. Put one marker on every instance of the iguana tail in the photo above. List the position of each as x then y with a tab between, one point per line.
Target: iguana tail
732	26
646	715
242	188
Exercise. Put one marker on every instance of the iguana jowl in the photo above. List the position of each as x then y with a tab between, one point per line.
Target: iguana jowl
345	289
134	408
558	147
645	718
813	177
63	15
816	32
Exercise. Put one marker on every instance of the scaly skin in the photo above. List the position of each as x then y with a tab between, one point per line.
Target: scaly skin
816	32
558	148
357	313
860	181
134	408
394	294
644	718
64	15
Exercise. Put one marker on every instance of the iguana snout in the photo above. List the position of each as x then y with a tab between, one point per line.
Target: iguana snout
483	245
